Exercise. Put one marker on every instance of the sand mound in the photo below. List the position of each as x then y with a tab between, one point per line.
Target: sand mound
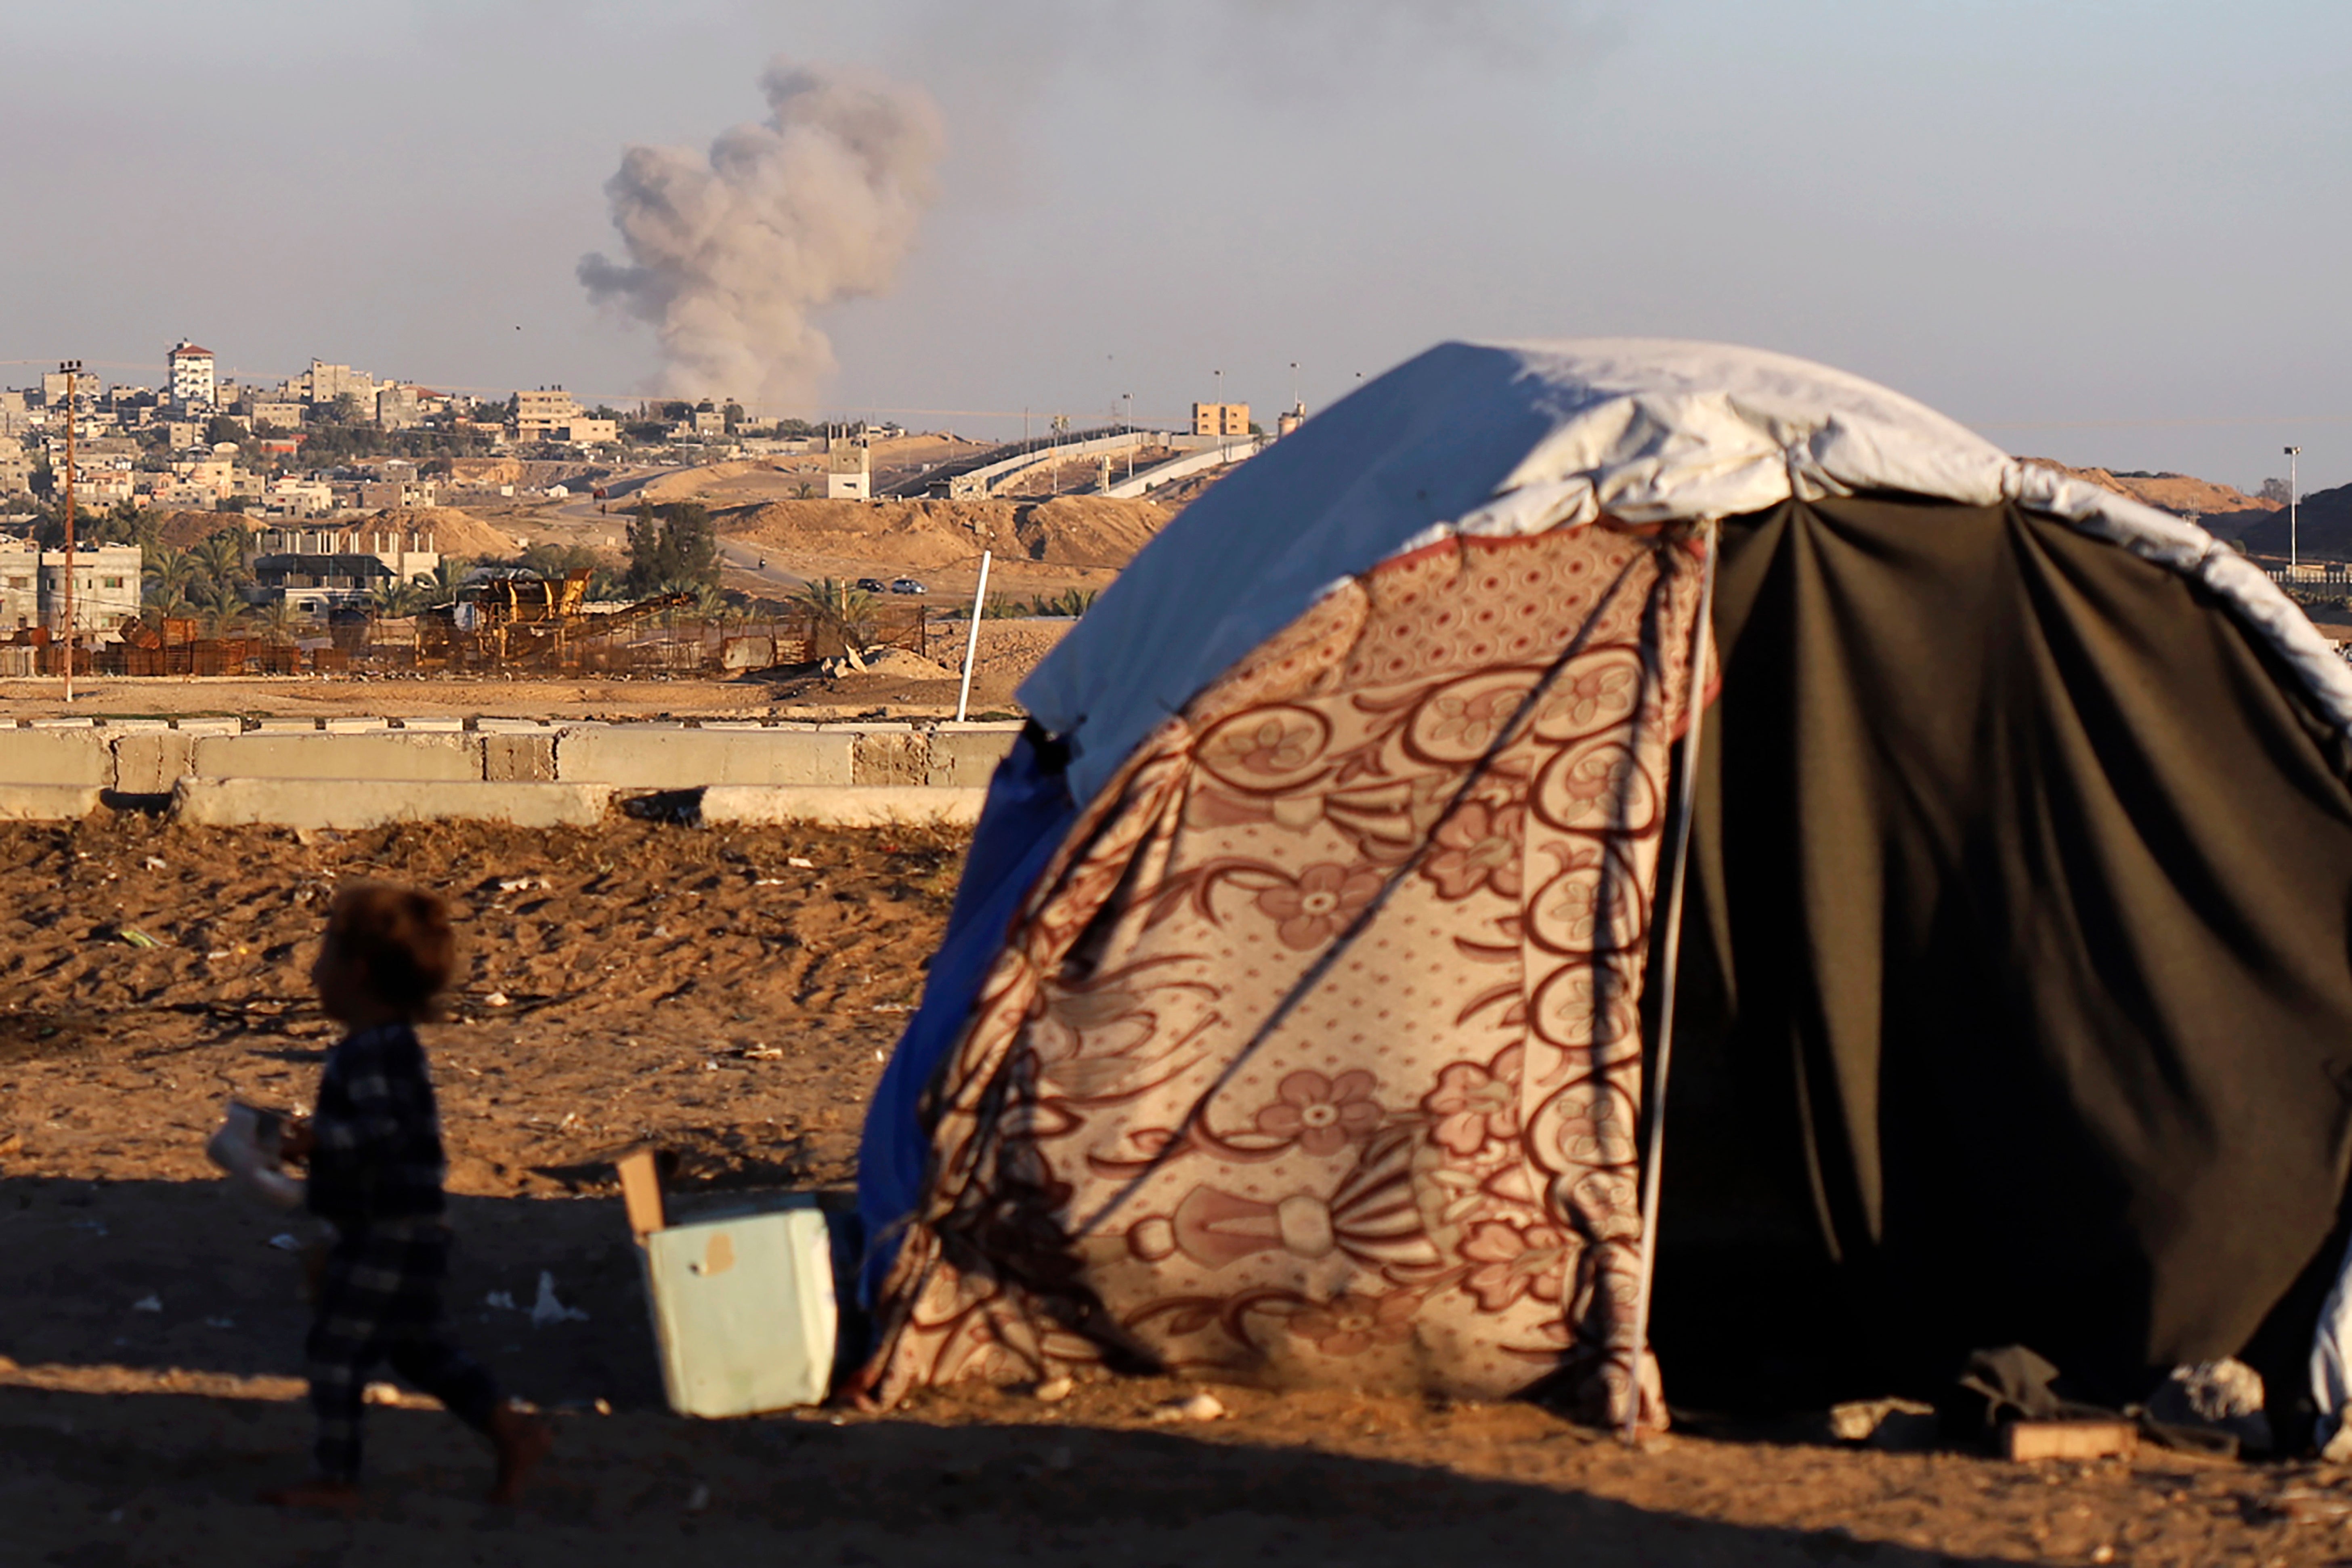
454	532
1074	531
2171	492
905	666
179	530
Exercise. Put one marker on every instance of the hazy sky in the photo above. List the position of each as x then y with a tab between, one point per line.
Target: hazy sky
2106	232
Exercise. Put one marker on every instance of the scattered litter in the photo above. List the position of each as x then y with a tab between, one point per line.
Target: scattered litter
603	1407
134	937
495	999
798	864
215	952
1202	1407
699	1499
1053	1391
502	1299
768	883
877	1056
521	884
890	1007
156	863
95	1227
1897	1426
762	1054
286	1241
220	1323
548	1310
661	931
149	1302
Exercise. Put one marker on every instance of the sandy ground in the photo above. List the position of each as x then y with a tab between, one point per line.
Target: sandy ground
702	989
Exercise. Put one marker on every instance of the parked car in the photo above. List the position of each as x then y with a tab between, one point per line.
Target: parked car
870	585
907	586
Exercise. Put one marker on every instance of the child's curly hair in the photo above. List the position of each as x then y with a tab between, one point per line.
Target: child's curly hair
403	937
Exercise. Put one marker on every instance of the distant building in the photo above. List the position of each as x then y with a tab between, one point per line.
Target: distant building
540	413
53	388
1221	419
189	378
323	383
398	495
106	580
316	569
849	472
398	407
581	432
298	498
15	467
284	415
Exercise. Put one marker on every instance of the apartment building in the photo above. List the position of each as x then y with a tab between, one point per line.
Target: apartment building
106	579
540	414
188	377
316	569
15	467
1221	418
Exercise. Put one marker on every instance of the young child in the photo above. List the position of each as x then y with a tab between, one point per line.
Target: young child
374	1147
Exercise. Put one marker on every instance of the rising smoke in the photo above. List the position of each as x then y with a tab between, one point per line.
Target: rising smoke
729	254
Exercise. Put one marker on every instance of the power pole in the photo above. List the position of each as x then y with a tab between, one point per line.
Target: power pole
2292	454
72	369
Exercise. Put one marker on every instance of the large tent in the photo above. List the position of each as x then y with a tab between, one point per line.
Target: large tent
1302	998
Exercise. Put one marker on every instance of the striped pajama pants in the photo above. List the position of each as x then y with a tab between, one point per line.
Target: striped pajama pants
380	1299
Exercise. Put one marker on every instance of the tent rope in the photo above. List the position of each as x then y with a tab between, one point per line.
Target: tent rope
1669	971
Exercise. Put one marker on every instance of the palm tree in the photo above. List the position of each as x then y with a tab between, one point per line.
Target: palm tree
222	557
834	603
221	610
161	603
397	600
707	604
450	575
169	573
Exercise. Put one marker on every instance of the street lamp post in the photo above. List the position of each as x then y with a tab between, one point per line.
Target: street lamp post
1220	416
2292	555
72	369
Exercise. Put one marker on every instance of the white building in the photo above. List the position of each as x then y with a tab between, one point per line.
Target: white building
188	375
849	472
33	586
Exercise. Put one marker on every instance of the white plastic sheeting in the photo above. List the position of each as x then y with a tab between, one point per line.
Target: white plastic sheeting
1503	439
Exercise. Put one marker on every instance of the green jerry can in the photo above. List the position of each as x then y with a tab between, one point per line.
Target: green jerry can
743	1310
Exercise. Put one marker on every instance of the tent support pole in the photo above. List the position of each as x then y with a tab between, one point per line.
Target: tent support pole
1669	971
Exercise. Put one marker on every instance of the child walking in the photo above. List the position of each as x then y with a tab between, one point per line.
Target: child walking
374	1147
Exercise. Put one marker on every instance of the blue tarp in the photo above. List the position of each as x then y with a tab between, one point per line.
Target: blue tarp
1028	811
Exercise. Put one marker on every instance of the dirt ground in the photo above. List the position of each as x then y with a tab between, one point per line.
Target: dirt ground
1009	649
729	994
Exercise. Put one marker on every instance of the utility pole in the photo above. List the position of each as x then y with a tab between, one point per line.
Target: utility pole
2291	554
72	369
1220	416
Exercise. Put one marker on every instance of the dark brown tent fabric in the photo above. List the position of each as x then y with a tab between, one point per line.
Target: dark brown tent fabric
2018	962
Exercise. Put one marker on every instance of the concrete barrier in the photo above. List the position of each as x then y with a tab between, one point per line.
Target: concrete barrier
389	754
643	756
963	758
148	762
46	802
147	758
853	805
75	756
371	803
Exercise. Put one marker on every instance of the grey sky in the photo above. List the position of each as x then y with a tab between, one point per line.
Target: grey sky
2105	232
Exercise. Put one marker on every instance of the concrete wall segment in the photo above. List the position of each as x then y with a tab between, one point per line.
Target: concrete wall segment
394	754
80	757
647	757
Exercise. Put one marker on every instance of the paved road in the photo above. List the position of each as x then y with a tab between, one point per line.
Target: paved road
746	558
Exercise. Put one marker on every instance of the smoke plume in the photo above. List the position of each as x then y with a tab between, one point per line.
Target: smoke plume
729	254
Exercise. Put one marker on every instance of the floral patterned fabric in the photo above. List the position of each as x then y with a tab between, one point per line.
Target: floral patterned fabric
1168	1139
